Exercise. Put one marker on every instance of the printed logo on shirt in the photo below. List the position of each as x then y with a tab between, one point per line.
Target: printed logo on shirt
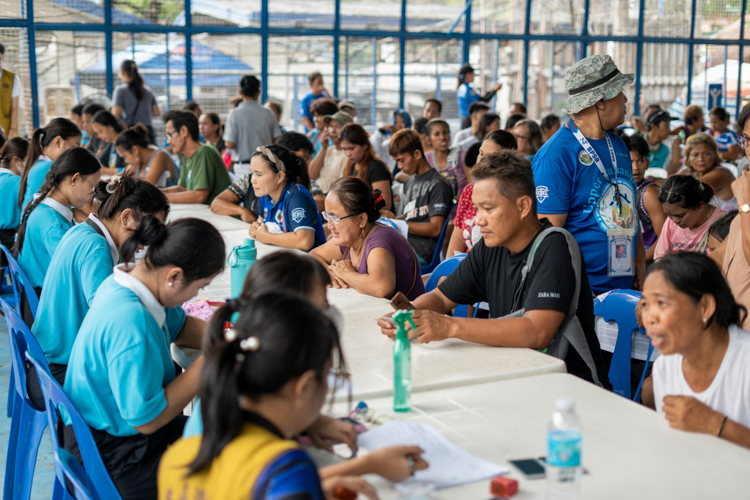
606	211
279	217
548	295
542	193
439	206
585	158
298	214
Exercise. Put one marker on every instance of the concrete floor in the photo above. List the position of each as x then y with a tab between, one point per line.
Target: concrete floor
44	475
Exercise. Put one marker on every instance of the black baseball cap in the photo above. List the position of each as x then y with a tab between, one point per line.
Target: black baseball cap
658	116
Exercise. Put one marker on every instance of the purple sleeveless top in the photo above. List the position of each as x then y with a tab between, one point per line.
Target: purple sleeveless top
408	272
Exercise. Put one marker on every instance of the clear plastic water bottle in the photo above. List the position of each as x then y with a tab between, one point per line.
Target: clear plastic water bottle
564	440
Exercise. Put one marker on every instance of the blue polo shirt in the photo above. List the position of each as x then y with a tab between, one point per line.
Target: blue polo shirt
82	261
465	95
304	105
120	363
568	181
35	179
45	228
10	214
296	210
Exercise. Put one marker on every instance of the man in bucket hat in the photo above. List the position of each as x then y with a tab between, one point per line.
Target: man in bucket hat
583	175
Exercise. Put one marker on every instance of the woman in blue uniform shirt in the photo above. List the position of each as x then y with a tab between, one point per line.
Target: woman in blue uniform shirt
288	214
121	376
70	182
467	95
11	167
84	258
47	143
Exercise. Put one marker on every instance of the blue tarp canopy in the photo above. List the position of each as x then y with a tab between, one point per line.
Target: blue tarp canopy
211	68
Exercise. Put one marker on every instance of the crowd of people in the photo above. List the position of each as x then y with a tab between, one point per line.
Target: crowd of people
547	215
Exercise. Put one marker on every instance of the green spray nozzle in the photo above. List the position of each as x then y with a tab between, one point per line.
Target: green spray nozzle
401	318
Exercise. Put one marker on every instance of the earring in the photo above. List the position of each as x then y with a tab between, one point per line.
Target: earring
171	284
72	183
705	321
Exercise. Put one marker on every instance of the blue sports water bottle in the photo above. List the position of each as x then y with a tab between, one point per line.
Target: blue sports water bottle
240	259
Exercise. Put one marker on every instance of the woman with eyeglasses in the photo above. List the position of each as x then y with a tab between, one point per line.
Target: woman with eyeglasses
288	215
529	137
69	183
373	259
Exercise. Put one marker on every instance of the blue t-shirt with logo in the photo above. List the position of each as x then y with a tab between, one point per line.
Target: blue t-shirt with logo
296	210
568	181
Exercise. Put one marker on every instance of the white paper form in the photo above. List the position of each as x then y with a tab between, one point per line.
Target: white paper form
449	464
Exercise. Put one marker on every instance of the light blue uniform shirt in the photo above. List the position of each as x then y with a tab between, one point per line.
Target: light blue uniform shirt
194	424
121	363
10	215
83	260
45	227
35	179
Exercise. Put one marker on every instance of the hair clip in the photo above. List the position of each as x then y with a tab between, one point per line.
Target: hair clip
230	334
250	344
112	184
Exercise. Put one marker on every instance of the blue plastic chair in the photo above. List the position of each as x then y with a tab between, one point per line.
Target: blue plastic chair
54	398
619	306
82	487
444	269
28	422
20	284
436	257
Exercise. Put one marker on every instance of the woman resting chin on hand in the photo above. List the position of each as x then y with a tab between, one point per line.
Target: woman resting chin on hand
700	382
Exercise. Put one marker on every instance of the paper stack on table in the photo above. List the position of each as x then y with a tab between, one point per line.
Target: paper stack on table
449	464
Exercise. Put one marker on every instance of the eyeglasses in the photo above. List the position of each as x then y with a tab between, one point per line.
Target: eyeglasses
169	134
742	141
519	136
93	187
328	217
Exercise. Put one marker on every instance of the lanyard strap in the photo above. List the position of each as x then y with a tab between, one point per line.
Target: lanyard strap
586	145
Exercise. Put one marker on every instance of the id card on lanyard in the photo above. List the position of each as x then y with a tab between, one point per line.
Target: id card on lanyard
621	242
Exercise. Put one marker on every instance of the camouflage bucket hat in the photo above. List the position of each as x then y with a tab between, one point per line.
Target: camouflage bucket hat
592	79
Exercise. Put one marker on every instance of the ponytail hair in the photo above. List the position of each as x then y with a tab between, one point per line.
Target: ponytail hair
40	139
127	192
256	357
174	244
295	167
358	198
17	147
73	161
685	191
132	137
135	84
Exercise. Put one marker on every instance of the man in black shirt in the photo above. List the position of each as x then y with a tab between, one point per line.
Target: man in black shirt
428	197
504	195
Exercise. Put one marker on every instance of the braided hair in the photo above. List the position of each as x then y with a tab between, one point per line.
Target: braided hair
73	161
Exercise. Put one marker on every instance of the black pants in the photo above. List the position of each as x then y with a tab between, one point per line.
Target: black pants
26	314
8	239
133	461
32	382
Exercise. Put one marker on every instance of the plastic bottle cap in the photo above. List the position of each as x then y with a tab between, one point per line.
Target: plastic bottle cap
564	404
249	242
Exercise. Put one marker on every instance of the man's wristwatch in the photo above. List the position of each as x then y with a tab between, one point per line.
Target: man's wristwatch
745	208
